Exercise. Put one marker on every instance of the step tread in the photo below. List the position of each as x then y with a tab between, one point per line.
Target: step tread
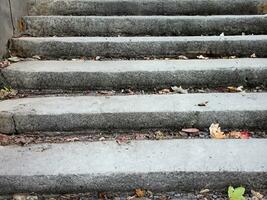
117	66
135	74
247	110
110	166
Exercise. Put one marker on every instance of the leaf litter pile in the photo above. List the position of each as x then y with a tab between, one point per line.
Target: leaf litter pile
142	194
125	137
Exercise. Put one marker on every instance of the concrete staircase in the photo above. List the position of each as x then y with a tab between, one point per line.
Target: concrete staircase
138	44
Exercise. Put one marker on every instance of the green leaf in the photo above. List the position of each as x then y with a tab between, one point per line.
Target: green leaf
237	193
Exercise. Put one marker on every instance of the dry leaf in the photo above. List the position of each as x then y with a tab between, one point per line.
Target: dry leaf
203	103
202	57
164	91
72	139
182	57
4	139
139	136
14	59
105	92
235	89
215	132
245	135
190	130
235	134
7	93
102	139
37	57
97	58
256	195
102	195
140	193
159	135
179	90
204	191
253	55
4	64
122	139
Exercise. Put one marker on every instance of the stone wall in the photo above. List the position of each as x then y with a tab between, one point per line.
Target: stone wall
10	12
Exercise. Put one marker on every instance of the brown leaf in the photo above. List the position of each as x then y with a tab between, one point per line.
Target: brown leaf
190	130
4	64
140	193
235	89
102	196
139	136
239	134
4	139
235	134
256	195
216	133
122	139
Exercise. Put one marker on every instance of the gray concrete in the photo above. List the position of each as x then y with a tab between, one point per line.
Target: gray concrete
181	165
10	12
147	7
145	25
148	74
138	47
6	27
133	112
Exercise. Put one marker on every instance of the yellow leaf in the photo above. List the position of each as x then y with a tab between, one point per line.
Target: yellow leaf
215	132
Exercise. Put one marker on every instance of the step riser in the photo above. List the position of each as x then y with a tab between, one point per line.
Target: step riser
247	111
141	26
147	75
180	165
146	7
136	121
157	182
123	47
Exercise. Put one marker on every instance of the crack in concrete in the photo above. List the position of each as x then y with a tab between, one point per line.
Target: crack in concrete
3	79
15	124
11	15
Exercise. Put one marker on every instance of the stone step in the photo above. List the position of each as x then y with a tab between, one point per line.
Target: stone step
78	113
181	165
144	25
146	7
139	47
137	74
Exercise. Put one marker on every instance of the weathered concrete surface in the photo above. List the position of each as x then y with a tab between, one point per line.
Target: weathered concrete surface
10	11
6	27
138	47
146	74
133	112
145	25
147	7
181	165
